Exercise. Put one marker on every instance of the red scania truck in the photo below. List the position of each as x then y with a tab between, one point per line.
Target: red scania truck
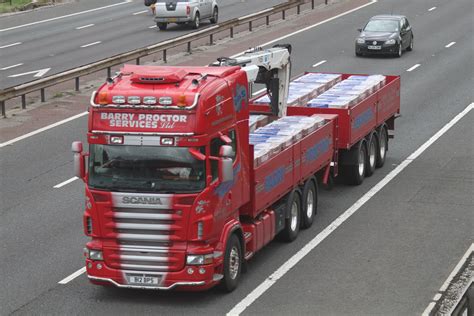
177	194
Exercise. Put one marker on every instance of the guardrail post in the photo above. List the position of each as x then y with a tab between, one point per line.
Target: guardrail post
326	2
189	47
211	39
2	104
231	32
164	56
77	83
109	72
283	14
250	26
298	9
23	101
268	20
43	98
137	61
312	4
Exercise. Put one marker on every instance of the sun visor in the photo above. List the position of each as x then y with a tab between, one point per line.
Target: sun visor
148	75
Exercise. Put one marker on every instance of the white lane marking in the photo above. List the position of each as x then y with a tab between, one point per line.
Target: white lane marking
311	26
10	45
152	27
10	67
259	91
276	40
413	67
450	44
57	186
14	140
431	9
140	12
84	26
64	16
320	63
91	44
446	283
38	73
68	279
290	263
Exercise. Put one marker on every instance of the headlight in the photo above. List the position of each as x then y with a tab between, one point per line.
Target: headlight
199	259
390	41
93	254
360	41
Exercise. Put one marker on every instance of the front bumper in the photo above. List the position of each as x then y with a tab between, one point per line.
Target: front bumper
384	49
188	278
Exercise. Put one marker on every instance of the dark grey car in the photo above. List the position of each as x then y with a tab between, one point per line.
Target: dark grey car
385	34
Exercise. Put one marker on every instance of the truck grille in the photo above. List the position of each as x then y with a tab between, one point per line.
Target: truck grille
145	237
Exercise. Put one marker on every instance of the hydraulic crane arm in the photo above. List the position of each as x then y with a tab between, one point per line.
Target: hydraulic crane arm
271	67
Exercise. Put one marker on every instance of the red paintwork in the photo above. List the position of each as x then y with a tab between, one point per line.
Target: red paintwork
244	206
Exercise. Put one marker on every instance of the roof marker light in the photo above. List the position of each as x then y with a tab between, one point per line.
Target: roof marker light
134	100
118	99
166	101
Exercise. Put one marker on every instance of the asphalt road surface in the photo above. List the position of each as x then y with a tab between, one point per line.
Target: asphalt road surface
389	258
45	42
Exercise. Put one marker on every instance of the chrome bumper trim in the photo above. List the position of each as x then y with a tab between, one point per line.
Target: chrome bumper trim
146	287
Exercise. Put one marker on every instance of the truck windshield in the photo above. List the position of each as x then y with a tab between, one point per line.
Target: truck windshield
145	169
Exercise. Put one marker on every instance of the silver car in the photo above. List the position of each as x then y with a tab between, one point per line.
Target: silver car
185	11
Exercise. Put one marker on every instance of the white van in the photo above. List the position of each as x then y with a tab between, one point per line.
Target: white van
185	11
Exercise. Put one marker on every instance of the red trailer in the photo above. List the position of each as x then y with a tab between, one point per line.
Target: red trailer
179	191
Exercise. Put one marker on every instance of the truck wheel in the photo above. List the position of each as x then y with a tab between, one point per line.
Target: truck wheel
232	264
310	203
356	171
195	24
371	155
292	223
162	26
215	16
382	146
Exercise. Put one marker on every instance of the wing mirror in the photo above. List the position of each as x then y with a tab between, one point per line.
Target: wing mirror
226	173
79	160
360	30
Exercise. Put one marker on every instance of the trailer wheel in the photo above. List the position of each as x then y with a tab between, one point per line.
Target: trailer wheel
371	155
357	169
292	223
382	146
310	203
232	264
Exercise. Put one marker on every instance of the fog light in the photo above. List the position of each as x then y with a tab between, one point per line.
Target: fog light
99	266
190	270
89	265
202	270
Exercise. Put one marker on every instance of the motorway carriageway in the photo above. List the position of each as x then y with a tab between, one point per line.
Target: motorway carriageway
384	247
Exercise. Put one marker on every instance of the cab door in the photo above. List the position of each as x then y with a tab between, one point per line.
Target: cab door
206	6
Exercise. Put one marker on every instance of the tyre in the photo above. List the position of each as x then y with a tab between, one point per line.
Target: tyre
232	264
310	202
410	47
162	26
371	155
358	54
292	223
215	16
196	22
382	146
400	51
356	170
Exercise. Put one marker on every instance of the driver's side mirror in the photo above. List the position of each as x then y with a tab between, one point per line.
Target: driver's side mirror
79	160
226	173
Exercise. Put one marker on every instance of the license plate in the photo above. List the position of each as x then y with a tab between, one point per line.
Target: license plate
143	279
374	47
172	20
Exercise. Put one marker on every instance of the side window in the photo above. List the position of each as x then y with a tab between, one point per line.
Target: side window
407	25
